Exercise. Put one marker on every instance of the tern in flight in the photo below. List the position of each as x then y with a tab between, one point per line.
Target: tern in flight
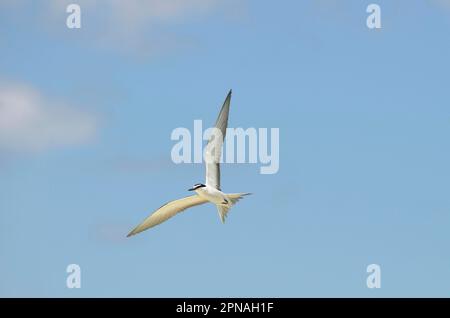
208	192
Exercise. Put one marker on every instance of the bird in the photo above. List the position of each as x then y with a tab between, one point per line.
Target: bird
209	191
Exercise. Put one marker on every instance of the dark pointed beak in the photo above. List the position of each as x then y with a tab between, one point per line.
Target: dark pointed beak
191	189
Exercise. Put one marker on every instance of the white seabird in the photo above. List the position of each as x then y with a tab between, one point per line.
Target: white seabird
208	192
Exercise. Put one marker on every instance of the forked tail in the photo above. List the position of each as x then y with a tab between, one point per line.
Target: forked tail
233	198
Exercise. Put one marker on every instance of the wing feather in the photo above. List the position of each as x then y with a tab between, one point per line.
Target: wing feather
167	211
213	150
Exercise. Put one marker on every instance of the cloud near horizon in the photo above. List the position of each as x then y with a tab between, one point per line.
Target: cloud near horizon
32	122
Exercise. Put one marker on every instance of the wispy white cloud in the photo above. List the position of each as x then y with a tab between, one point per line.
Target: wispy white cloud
145	28
140	12
30	121
140	28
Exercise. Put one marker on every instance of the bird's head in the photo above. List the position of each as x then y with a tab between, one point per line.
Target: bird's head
197	186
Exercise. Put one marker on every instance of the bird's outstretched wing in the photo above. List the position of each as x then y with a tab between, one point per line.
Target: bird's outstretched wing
167	211
213	149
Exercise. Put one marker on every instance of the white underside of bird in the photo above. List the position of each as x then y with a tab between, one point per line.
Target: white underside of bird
223	201
208	192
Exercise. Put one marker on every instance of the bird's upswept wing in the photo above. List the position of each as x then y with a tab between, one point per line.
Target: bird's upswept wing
213	149
167	211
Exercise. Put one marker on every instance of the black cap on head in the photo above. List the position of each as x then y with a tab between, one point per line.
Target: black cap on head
197	186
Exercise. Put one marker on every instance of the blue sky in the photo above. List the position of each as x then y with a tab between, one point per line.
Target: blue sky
364	118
